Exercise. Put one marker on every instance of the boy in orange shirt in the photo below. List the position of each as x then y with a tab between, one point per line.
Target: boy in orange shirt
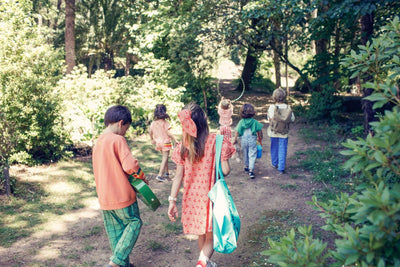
112	164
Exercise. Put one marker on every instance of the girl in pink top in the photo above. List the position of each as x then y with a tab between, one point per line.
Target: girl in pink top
225	111
161	138
195	159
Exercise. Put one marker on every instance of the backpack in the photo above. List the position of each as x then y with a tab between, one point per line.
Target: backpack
281	120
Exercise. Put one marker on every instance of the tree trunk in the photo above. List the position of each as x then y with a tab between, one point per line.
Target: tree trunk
70	34
336	55
277	66
248	70
108	59
127	63
367	28
7	178
321	51
286	67
285	59
277	62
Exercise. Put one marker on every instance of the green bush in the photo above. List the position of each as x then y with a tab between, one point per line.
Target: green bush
29	70
324	105
262	84
85	100
368	221
297	249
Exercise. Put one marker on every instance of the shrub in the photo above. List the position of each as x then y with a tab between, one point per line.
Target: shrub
29	70
299	249
85	100
368	221
324	105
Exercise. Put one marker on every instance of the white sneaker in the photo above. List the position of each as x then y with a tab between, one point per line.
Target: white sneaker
211	264
160	179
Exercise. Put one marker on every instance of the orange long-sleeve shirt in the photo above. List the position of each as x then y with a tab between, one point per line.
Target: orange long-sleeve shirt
112	163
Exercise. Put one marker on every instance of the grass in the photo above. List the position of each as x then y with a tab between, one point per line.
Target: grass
154	245
40	196
325	163
48	191
324	132
272	224
289	186
323	160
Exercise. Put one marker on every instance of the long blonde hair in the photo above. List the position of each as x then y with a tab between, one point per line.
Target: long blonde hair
195	146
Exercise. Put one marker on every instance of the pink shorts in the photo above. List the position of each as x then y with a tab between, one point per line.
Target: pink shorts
164	147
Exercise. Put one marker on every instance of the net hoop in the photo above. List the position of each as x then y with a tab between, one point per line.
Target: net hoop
239	97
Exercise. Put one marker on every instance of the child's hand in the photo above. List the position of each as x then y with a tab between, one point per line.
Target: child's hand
173	211
145	180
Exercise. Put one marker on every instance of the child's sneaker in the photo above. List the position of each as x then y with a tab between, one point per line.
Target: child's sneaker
251	175
160	179
201	264
246	169
211	264
166	175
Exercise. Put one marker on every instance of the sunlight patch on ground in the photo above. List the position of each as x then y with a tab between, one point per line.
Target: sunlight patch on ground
64	222
51	251
266	177
191	237
228	70
92	203
63	188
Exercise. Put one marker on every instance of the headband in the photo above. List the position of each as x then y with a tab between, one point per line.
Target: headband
188	125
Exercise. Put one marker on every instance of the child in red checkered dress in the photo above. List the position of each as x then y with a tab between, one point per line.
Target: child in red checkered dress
225	111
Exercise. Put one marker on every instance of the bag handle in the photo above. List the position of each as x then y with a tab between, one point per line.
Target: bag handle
218	148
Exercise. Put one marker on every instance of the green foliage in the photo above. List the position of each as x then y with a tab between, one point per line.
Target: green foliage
325	104
57	189
368	224
85	100
29	69
370	227
325	165
368	221
186	44
261	84
299	249
377	158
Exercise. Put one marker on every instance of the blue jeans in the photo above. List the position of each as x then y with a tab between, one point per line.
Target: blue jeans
249	148
279	152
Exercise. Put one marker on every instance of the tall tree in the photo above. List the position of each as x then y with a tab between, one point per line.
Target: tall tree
70	34
367	29
267	24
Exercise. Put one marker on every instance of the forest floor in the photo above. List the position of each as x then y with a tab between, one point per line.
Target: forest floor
78	239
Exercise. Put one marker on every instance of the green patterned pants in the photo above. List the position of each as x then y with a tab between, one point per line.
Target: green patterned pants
123	228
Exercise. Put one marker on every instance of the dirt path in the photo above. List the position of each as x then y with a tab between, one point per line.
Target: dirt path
78	238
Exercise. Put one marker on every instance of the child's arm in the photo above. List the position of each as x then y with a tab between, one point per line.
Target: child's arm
151	136
226	168
236	137
220	102
260	136
170	135
176	185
